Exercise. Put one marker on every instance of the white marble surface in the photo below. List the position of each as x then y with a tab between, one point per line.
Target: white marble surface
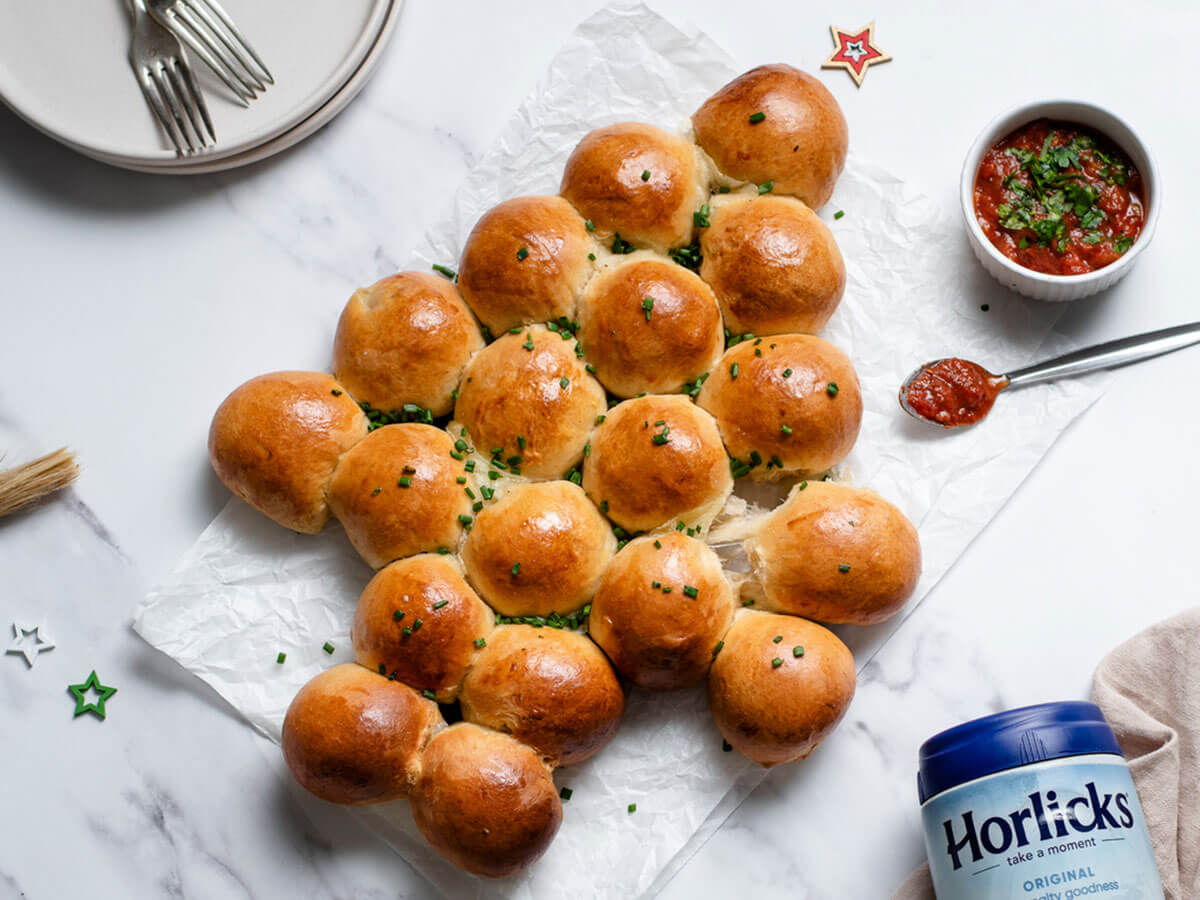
132	304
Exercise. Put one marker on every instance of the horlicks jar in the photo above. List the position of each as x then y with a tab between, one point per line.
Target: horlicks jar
1034	803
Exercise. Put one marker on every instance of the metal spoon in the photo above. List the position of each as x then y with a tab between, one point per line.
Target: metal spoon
1109	355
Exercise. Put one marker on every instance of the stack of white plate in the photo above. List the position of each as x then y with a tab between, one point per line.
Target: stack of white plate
64	69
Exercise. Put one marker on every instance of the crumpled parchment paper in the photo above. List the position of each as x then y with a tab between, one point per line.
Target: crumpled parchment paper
248	589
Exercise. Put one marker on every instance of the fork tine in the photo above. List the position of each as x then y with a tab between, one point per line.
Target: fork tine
186	100
185	75
220	44
240	90
150	90
168	91
214	8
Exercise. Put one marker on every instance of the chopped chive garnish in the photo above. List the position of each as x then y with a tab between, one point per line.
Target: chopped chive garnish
587	450
797	651
839	214
516	568
327	647
336	392
528	345
843	568
487	492
397	615
777	639
465	521
691	591
776	663
785	429
726	746
631	808
658	545
461	480
404	481
409	470
494	475
375	492
757	117
787	373
429	695
831	389
648	306
281	658
523	253
733	370
521	441
470	466
382	669
604	506
440	604
747	603
477	506
563	382
417	623
589	225
443	551
445	270
592	257
470	493
456	455
600	419
480	643
565	794
407	630
803	485
645	175
657	585
766	187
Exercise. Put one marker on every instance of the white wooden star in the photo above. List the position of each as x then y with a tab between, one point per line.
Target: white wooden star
29	642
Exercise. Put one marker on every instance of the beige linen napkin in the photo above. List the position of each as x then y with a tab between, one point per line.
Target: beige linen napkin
1149	690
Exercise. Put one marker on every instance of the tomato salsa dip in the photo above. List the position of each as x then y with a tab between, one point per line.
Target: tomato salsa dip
1059	198
952	392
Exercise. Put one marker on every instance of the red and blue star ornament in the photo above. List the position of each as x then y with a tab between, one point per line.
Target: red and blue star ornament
855	51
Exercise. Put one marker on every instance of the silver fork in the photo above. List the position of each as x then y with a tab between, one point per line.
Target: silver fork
166	81
212	36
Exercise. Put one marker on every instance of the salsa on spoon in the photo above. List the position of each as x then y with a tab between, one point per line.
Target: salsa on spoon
955	392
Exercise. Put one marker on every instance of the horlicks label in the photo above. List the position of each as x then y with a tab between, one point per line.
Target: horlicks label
1055	830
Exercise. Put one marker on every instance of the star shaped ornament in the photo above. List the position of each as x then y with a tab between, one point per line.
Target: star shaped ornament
29	642
855	51
78	691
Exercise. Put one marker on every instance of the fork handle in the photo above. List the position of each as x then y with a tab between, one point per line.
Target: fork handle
1109	355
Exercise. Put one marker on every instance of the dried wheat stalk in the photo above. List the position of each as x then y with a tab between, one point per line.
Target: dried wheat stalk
28	483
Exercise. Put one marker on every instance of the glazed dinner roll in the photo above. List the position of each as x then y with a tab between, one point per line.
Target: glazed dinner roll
529	397
275	441
396	493
649	326
405	339
662	608
419	622
353	737
786	405
779	686
636	181
657	460
541	548
549	688
773	265
837	554
525	261
776	125
485	801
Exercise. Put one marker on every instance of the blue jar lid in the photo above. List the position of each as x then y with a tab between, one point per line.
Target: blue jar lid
1007	740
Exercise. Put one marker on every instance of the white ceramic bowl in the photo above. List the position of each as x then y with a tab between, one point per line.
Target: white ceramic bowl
1039	285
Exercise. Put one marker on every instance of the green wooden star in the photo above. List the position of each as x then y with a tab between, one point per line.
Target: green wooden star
92	684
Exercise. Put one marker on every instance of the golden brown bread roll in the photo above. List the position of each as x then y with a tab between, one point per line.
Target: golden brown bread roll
419	622
773	265
637	181
405	339
549	688
485	801
529	396
353	737
396	495
799	144
649	326
658	460
275	441
779	686
791	401
837	554
525	261
662	607
541	548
